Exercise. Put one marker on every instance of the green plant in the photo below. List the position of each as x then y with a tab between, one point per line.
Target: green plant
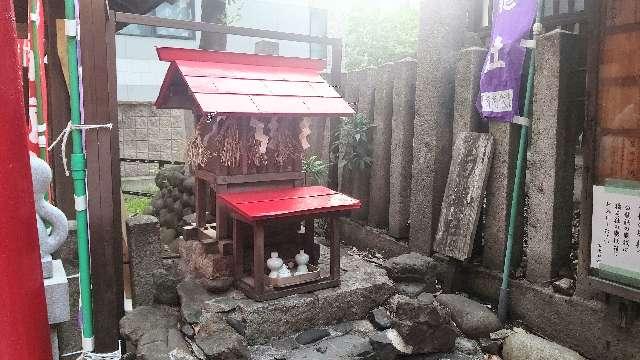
315	168
136	205
352	143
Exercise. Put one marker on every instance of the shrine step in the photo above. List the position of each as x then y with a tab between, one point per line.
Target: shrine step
364	286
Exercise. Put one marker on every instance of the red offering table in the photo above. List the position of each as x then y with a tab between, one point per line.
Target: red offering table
259	208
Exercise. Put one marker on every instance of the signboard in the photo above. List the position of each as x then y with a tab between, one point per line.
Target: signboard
502	72
615	244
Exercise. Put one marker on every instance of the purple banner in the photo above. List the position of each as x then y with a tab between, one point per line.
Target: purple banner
499	97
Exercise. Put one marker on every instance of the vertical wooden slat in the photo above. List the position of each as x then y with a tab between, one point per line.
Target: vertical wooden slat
100	107
592	31
556	7
58	110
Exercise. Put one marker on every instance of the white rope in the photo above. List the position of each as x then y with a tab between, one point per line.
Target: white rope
116	355
64	136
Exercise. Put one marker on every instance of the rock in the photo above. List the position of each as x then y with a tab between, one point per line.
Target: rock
388	345
321	349
426	298
141	320
524	346
411	267
342	347
192	299
311	336
180	354
472	318
500	334
157	344
467	347
221	305
217	286
426	327
564	287
411	289
187	330
237	325
380	318
167	236
219	341
165	288
491	346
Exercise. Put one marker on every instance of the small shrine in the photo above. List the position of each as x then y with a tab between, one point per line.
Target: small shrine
252	116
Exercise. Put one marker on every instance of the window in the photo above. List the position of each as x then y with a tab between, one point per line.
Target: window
180	10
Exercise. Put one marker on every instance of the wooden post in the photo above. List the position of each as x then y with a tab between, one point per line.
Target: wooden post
238	247
103	171
334	251
258	259
23	312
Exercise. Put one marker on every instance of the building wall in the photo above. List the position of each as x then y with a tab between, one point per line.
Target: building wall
150	134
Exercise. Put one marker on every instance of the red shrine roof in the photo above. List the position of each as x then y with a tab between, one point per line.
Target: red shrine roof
227	83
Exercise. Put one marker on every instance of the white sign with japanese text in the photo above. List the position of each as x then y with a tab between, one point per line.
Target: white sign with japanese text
616	229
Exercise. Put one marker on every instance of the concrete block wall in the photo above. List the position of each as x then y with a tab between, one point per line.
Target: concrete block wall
151	134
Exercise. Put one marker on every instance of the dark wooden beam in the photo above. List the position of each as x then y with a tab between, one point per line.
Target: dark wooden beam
589	145
103	171
58	109
148	20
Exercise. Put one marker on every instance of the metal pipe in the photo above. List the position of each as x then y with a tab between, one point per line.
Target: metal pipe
504	300
78	174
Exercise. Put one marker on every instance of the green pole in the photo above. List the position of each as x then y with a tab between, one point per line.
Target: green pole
78	174
504	300
38	77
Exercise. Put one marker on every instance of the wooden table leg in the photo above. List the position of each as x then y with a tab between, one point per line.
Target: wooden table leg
258	258
308	243
334	251
238	247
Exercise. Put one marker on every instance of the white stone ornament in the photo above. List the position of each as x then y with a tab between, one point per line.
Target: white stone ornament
305	131
274	264
302	260
49	242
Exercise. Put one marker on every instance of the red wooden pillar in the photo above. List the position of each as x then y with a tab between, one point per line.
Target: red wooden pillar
24	330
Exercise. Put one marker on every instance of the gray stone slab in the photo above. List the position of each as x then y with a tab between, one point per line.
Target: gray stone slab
364	237
467	88
464	195
360	179
145	256
499	189
56	289
439	41
552	161
404	101
381	147
350	91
